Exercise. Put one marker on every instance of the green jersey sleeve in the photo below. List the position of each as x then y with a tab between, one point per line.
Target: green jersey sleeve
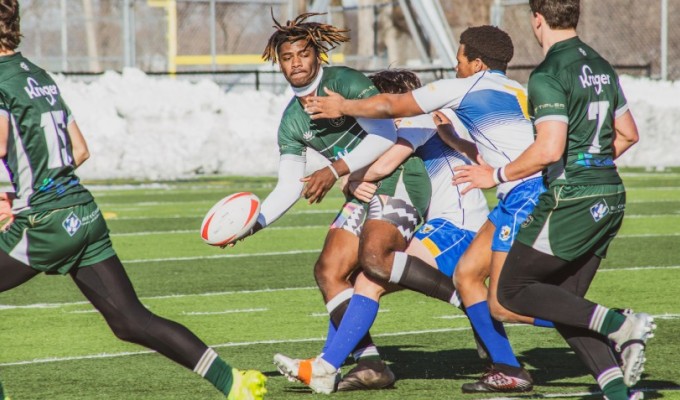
621	105
548	98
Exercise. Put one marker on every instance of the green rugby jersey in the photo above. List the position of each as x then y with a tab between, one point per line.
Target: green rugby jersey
330	137
575	85
39	153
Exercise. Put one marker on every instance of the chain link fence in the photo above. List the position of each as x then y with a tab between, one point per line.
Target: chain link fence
224	38
628	33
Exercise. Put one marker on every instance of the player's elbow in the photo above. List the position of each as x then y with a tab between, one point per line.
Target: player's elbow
80	156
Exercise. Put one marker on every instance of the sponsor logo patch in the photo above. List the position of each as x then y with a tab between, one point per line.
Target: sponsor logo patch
427	228
34	90
308	136
588	79
528	221
337	122
71	224
599	210
504	235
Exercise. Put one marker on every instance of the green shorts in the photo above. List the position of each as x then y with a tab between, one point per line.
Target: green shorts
570	221
56	241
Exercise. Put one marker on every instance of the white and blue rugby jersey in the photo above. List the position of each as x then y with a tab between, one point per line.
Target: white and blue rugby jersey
467	212
494	110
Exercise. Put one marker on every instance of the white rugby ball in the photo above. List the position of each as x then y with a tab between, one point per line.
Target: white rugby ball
230	219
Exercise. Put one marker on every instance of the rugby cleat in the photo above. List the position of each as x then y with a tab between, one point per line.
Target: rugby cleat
248	385
316	373
367	375
631	340
501	378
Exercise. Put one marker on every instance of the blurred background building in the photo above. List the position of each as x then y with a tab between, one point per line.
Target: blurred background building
224	38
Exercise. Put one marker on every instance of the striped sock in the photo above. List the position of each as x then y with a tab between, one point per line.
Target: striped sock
611	383
605	321
368	353
215	370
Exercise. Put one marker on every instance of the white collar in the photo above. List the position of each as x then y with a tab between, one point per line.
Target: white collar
305	90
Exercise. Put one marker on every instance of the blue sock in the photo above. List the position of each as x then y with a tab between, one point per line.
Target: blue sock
357	321
543	323
329	336
492	334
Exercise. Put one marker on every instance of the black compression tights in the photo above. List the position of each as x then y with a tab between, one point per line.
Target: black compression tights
108	288
536	284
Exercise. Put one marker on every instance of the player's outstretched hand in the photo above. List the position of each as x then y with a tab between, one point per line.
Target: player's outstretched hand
363	191
325	107
251	232
478	176
318	184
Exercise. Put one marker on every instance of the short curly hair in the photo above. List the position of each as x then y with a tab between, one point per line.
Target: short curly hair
488	43
395	81
10	32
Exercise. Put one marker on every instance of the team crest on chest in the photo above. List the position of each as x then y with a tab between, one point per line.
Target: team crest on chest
505	232
309	135
337	122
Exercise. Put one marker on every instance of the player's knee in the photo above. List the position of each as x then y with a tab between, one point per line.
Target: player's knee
130	327
327	275
374	265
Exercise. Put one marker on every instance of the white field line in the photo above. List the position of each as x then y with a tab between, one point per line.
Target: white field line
579	394
260	342
288	228
241	311
4	307
177	216
220	256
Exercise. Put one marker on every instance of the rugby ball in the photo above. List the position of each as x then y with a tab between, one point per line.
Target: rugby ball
230	219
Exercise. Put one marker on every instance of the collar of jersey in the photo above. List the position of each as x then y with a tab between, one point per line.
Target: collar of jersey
305	90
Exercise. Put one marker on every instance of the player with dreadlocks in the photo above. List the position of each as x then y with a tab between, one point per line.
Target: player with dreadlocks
361	232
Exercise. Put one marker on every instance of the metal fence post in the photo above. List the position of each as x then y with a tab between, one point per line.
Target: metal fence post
213	36
664	39
127	37
64	36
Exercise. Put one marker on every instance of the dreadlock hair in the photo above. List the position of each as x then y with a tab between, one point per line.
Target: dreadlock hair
490	44
10	34
559	14
395	81
322	37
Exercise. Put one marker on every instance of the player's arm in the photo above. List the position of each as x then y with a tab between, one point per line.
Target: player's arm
384	105
4	132
626	134
286	192
448	134
548	148
381	136
386	163
78	144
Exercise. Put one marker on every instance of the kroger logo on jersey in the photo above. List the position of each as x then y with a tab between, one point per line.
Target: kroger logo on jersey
599	210
34	90
588	79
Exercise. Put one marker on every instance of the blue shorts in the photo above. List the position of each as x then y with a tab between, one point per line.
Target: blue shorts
510	212
445	241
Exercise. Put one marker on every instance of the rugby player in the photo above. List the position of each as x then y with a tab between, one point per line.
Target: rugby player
57	227
582	125
493	109
452	221
349	144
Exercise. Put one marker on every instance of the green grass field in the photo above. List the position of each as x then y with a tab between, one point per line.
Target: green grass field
259	298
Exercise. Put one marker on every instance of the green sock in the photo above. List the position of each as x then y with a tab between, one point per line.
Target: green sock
615	390
612	322
219	374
